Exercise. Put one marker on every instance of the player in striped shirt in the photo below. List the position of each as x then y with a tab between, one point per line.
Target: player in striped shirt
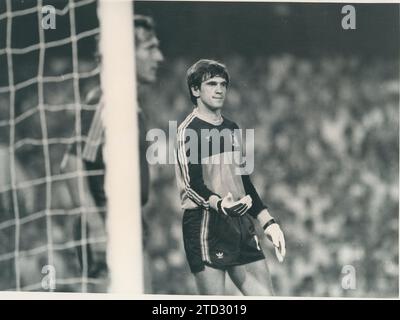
88	156
219	202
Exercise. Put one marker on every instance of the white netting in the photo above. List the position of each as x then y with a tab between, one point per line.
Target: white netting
45	75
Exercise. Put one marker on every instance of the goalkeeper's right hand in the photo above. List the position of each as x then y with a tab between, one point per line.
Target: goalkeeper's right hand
232	208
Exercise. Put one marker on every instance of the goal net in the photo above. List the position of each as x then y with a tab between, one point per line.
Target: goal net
49	66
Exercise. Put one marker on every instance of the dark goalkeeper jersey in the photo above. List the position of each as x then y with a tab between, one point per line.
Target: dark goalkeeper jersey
92	151
206	166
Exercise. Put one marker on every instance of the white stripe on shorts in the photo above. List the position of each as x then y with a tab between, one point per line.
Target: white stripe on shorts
204	237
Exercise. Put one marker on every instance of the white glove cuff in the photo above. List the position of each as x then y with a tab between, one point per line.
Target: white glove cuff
264	217
213	200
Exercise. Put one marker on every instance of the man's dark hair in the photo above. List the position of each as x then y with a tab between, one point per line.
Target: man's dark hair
203	70
145	22
139	21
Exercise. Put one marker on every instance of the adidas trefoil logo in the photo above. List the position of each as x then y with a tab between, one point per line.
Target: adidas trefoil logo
219	255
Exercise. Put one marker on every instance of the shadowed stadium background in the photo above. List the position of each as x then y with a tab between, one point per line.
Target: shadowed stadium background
324	105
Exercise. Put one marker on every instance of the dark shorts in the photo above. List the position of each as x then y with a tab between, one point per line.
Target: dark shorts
218	241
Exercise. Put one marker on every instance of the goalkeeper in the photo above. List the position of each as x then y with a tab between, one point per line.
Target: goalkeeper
148	59
219	204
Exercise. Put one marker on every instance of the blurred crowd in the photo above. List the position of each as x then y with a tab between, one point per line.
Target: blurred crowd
326	164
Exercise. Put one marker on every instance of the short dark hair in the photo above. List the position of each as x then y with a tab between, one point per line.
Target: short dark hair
139	21
203	70
145	22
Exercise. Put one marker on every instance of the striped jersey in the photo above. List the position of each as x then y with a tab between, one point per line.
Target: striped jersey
208	167
92	151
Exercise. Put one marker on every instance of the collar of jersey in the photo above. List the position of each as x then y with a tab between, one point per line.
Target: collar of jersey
207	119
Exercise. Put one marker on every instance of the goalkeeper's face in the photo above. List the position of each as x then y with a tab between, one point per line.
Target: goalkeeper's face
211	93
148	55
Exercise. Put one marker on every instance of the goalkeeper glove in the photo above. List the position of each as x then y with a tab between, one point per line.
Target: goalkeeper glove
273	233
230	208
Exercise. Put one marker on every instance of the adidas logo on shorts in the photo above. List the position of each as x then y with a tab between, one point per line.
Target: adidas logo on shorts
219	255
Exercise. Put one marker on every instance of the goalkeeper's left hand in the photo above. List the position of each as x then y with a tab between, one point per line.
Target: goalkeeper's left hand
273	233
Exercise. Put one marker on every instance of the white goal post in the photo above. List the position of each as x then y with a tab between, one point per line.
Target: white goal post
124	248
